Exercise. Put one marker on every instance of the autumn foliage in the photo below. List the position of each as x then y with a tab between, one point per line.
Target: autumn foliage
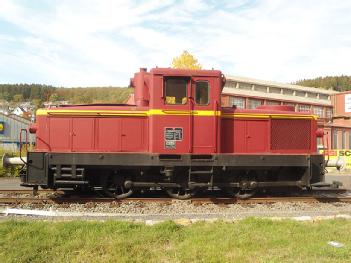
186	61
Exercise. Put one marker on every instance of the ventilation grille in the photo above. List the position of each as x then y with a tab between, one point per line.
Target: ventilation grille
290	134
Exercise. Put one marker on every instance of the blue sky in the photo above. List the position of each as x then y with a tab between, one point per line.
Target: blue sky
103	42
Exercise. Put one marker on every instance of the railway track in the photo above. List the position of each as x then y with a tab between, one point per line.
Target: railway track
26	191
195	201
23	196
48	191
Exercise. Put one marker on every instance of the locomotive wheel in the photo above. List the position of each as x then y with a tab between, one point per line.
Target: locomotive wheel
180	193
114	188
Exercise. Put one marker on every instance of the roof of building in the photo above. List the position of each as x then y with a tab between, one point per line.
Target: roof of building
272	96
280	85
344	92
14	117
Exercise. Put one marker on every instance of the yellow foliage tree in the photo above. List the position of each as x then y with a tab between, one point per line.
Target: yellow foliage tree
186	61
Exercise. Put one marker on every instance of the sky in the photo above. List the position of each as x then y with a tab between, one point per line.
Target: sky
74	43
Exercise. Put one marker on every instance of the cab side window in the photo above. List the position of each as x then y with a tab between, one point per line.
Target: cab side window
202	93
175	91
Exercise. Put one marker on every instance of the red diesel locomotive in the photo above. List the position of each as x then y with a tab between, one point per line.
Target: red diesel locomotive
176	137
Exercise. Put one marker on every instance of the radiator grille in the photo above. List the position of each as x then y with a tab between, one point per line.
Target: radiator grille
290	134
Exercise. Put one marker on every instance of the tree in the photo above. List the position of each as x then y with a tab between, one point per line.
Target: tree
37	103
54	97
186	61
18	98
5	96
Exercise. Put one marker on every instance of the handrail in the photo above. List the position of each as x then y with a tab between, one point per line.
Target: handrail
26	133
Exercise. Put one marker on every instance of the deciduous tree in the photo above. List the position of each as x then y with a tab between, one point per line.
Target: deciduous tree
186	61
18	98
54	97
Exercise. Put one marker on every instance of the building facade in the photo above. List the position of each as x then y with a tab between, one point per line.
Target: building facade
10	129
333	108
341	132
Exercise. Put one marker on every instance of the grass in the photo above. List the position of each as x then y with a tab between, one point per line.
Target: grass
249	240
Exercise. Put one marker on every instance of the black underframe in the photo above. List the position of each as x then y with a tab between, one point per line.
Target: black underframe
40	162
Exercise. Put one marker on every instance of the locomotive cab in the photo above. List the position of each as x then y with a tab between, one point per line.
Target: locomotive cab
186	104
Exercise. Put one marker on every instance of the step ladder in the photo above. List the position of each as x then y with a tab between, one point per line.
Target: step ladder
201	172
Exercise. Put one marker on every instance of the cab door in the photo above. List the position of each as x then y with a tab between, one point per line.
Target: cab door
204	117
171	129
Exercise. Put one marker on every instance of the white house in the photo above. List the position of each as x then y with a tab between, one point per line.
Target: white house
18	111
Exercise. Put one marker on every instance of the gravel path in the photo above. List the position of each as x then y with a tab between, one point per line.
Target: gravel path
186	210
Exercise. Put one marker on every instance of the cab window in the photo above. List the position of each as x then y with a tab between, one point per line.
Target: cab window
175	91
202	90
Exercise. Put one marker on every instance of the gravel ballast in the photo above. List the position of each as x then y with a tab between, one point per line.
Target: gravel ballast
186	210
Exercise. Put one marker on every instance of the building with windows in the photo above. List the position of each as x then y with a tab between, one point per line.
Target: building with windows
341	132
333	108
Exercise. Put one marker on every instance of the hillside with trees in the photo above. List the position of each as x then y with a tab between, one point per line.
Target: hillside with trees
339	83
37	94
24	92
92	95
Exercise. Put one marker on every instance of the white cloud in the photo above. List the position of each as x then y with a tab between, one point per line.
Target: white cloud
78	43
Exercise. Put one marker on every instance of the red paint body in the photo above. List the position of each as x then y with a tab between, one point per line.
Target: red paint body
206	129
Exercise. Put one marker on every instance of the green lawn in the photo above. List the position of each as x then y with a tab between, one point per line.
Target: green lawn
250	240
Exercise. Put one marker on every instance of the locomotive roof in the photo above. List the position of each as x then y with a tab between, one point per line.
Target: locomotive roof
185	72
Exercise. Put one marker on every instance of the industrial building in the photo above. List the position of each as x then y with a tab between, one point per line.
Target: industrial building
10	129
341	132
332	107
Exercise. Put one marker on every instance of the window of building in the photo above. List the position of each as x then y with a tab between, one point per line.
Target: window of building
329	113
245	86
202	92
175	91
275	90
300	93
288	92
335	139
230	84
253	103
318	111
260	88
312	95
272	102
343	139
238	102
323	97
289	103
303	107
